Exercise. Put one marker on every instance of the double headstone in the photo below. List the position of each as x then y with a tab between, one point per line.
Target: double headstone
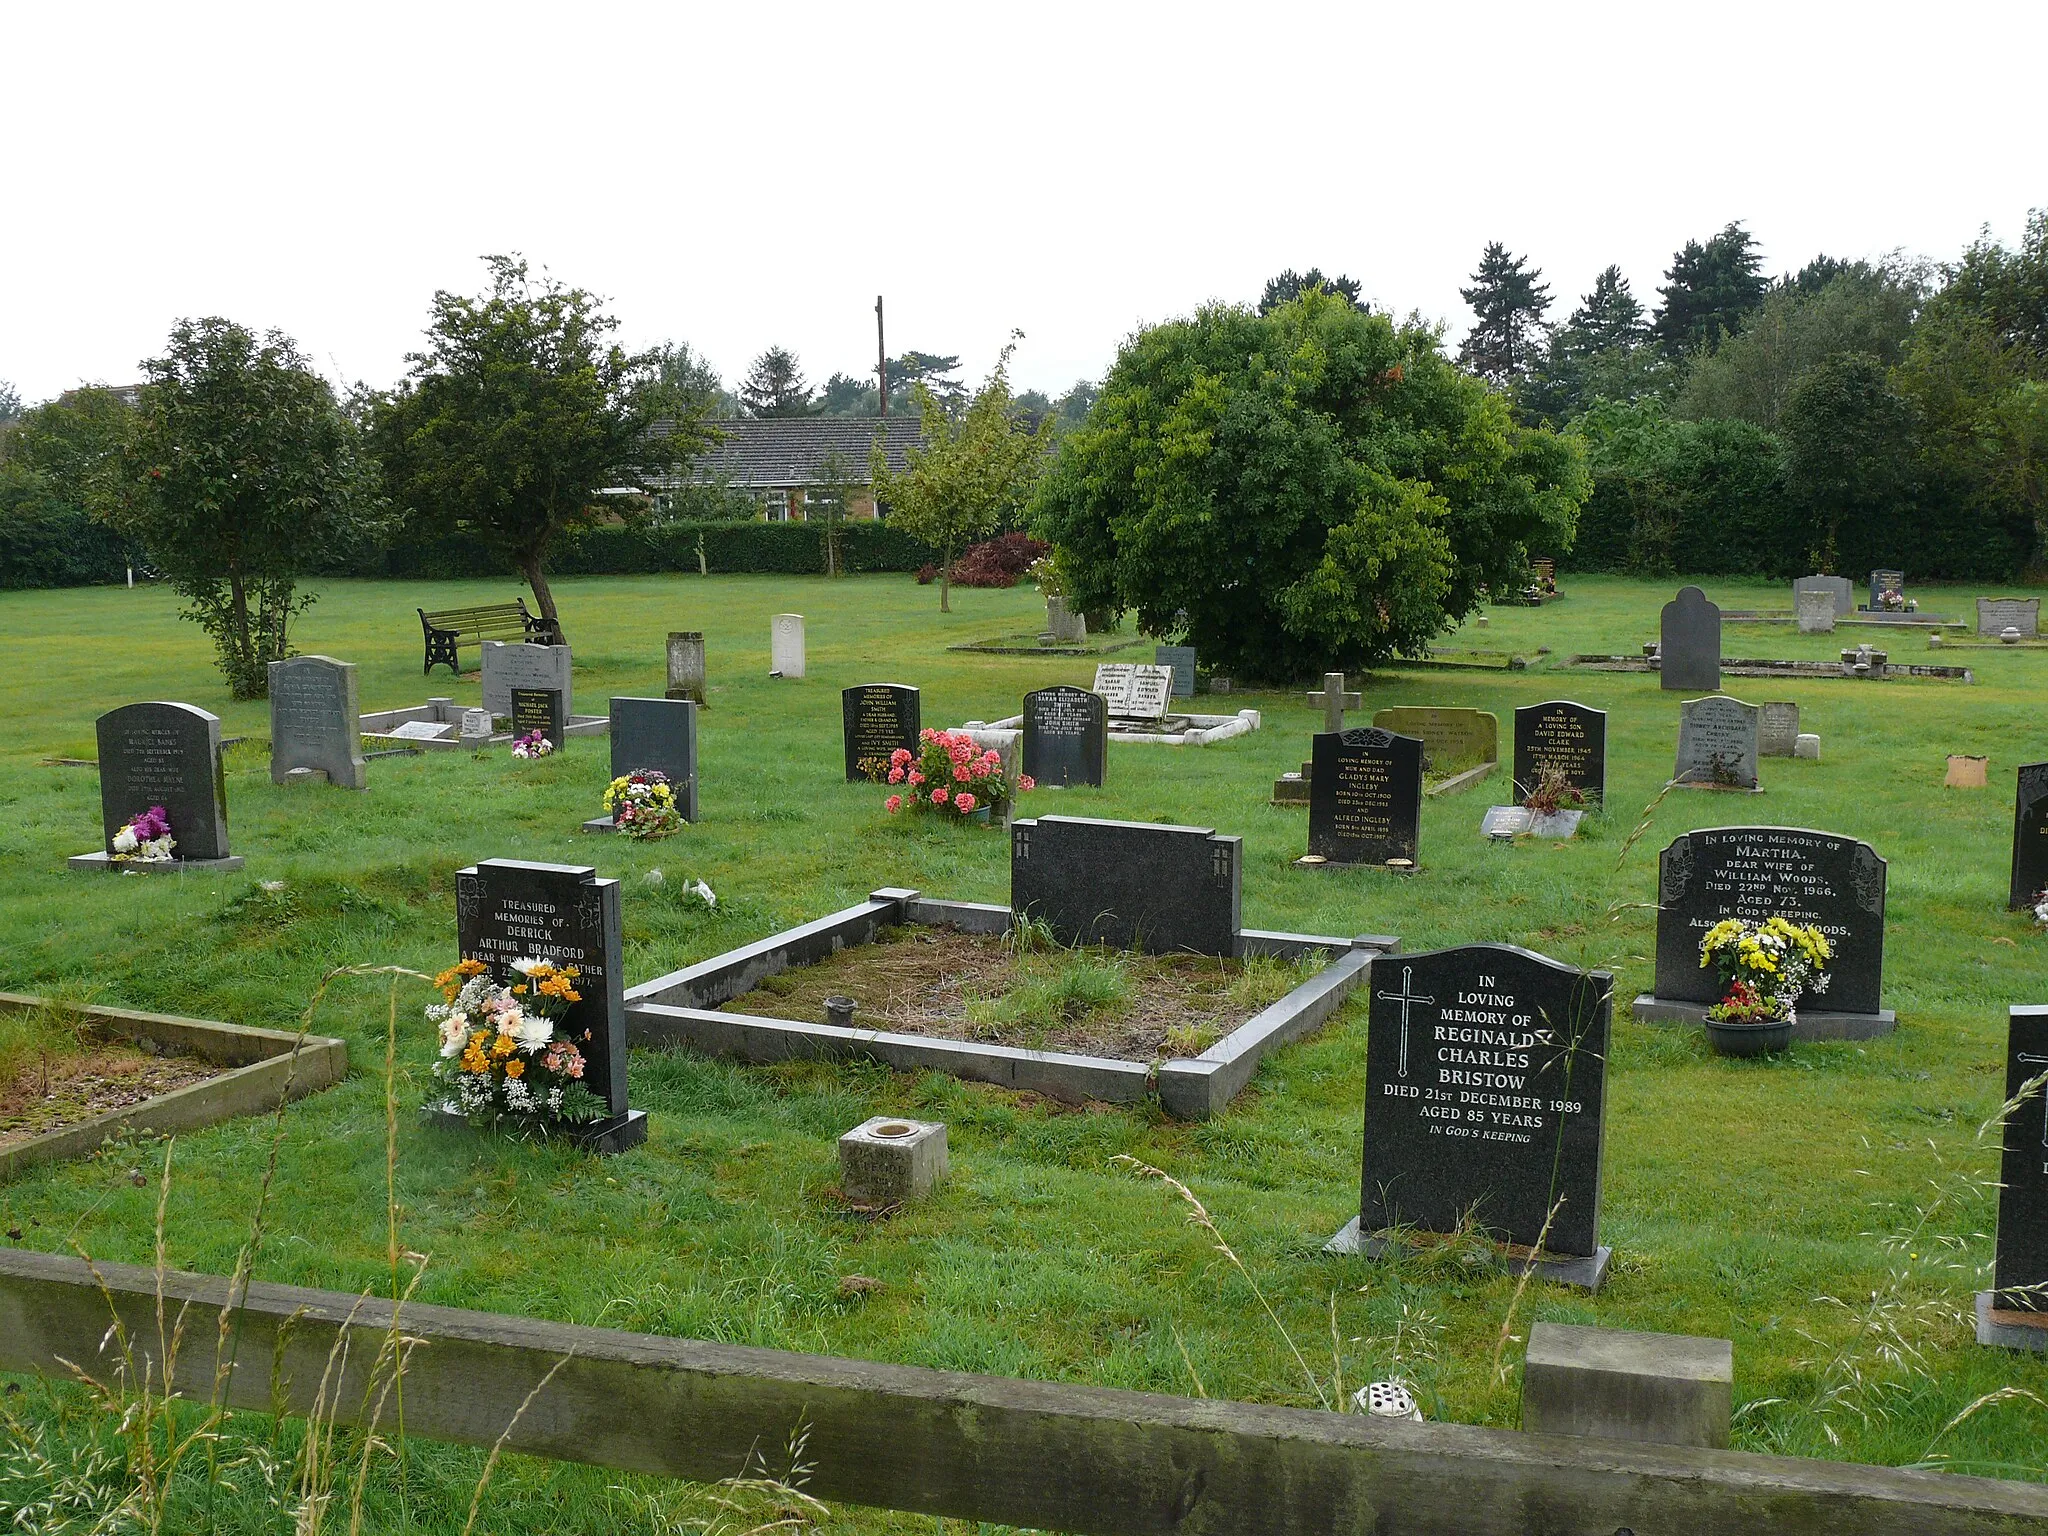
164	754
313	713
786	645
509	910
540	709
1451	738
1777	729
1567	737
508	665
1995	615
1717	743
2020	1274
2029	836
1133	691
1066	736
1365	797
686	666
1128	884
1689	642
656	736
1181	658
875	719
1840	593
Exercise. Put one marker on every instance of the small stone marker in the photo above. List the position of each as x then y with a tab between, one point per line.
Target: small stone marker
538	709
1689	643
1066	736
1965	772
508	665
657	736
889	1160
1128	884
2014	1312
786	646
1777	729
1181	658
1365	797
686	666
2029	836
1334	701
1485	1075
163	754
507	910
1995	615
1816	611
1663	1388
1504	821
1717	744
1807	745
1838	589
313	713
429	730
1451	738
1882	582
875	720
1566	736
476	726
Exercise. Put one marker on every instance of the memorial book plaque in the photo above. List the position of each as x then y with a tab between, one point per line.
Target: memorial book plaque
1364	796
1562	736
1066	736
875	720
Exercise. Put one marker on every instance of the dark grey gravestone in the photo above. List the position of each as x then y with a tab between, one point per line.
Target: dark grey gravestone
1882	582
1717	743
313	714
1777	729
168	755
1566	736
1837	587
1182	659
1066	736
507	910
1364	796
1689	642
540	709
2029	835
658	735
1128	884
876	719
1485	1081
1835	883
2020	1283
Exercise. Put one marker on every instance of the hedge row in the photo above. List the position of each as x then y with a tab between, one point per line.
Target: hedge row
58	546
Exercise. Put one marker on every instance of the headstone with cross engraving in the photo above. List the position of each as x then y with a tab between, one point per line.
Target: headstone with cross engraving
2020	1282
1485	1075
1128	884
2029	835
1333	700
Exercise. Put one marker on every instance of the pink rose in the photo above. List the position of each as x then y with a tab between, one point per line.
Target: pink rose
916	777
1025	781
939	795
895	775
965	802
893	804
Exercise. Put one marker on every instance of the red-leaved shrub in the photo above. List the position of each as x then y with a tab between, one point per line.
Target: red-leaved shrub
1000	562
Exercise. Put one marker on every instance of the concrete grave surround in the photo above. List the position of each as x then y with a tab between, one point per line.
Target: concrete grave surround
1689	643
875	720
1717	733
1564	735
1665	1388
1995	615
686	666
786	645
1840	590
2029	835
659	736
1365	797
313	714
1066	736
1181	658
1777	729
2014	1312
518	664
1816	612
889	1160
442	725
163	754
1451	738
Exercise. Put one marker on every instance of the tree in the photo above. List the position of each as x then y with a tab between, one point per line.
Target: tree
1849	451
1508	299
933	370
775	386
847	395
1315	488
1708	289
520	413
970	474
238	468
691	381
10	403
1291	285
1600	353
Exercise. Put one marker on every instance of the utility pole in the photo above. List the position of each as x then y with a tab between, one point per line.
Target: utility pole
881	359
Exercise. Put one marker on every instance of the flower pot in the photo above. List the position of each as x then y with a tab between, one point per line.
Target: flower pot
1762	1039
979	816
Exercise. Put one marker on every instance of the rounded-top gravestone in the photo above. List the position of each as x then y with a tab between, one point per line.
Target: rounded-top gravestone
313	721
1689	643
165	754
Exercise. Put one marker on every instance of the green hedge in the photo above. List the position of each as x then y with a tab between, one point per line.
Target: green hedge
783	549
44	543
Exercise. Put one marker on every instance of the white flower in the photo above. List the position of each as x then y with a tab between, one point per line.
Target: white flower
703	893
125	840
527	967
454	1034
531	1030
652	877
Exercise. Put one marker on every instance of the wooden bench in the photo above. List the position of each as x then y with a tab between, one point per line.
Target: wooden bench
452	628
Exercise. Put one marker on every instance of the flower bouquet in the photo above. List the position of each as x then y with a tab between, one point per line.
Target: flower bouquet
532	744
952	776
145	839
1765	968
642	805
504	1055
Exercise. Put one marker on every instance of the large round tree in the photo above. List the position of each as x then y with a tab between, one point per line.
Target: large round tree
1310	489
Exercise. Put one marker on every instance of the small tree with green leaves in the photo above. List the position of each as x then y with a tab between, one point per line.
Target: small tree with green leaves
969	476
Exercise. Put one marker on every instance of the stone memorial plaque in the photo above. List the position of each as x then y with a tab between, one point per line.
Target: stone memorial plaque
1995	615
508	665
1815	612
1835	883
1882	582
1777	729
876	719
1451	738
1181	658
422	730
313	720
1504	821
539	709
2020	1283
169	755
1689	643
1485	1082
1717	743
475	726
1066	736
1128	884
2029	836
786	645
1364	796
686	666
1838	589
1568	737
660	736
1113	682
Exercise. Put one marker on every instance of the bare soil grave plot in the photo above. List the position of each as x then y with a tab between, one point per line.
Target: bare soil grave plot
66	1087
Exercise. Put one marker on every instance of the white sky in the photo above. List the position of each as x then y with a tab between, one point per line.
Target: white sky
736	175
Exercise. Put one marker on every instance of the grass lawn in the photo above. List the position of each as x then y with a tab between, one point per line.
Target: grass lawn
1739	1197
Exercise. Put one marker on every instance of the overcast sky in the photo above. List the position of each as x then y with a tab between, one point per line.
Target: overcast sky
740	175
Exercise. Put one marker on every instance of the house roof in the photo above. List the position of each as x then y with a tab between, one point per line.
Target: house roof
779	452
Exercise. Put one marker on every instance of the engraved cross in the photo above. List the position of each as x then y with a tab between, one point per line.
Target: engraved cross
1405	997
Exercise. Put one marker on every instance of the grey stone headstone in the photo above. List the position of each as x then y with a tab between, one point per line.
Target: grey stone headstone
1995	615
476	725
2029	835
875	720
1837	587
1717	742
1777	730
313	712
169	755
2021	1278
517	664
1485	1084
1504	821
1062	624
1365	796
1807	747
686	665
1569	737
1689	642
1816	611
1066	736
1451	738
660	736
1113	683
1182	659
786	645
1128	884
1835	883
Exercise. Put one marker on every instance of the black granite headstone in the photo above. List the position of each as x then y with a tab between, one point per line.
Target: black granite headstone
1485	1077
1182	659
876	719
168	755
1835	883
1128	884
540	709
1568	737
2029	835
1066	736
1689	643
658	735
1882	582
1364	796
2021	1279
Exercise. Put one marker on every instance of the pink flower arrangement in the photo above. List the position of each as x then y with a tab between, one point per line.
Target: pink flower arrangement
948	772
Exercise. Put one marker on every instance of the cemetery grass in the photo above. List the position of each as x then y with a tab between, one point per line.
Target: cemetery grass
1739	1197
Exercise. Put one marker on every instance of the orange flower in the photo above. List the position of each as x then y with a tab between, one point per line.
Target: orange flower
515	1068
